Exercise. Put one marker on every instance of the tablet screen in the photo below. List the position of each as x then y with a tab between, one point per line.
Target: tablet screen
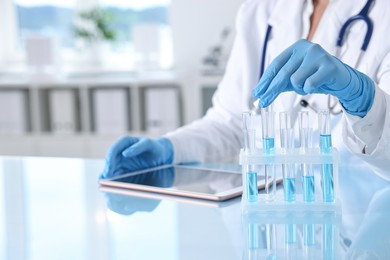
185	181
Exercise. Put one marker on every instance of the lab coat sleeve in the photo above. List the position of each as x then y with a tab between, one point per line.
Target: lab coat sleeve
217	136
369	137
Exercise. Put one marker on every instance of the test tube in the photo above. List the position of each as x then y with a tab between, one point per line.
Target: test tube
305	134
268	127
326	147
251	189
268	130
287	143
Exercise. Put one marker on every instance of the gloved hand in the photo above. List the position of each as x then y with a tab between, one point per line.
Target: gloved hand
306	68
132	153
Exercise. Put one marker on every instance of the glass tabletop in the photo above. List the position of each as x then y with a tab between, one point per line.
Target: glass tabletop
53	208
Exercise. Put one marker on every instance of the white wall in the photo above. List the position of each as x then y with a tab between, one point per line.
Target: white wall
196	26
8	30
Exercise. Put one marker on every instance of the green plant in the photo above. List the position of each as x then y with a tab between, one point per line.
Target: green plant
94	25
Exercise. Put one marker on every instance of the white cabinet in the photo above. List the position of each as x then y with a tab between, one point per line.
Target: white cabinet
14	111
110	110
63	111
83	116
162	109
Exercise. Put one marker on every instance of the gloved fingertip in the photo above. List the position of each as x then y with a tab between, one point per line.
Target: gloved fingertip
129	152
259	89
254	93
264	103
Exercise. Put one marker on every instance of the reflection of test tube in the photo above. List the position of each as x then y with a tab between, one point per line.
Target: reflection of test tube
270	231
309	234
328	241
253	242
290	239
305	140
268	129
251	190
326	147
286	143
309	237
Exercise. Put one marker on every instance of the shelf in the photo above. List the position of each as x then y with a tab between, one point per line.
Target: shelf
63	114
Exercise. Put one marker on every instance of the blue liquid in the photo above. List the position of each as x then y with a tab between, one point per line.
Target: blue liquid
268	145
251	185
289	189
308	188
254	236
327	183
327	170
309	234
326	143
328	242
271	257
291	233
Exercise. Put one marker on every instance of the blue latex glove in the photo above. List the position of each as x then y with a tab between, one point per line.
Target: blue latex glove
129	154
306	68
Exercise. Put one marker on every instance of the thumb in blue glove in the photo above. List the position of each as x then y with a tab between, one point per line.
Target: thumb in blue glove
306	68
132	153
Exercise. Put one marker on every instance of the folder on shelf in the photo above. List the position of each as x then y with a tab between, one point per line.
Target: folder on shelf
110	111
161	110
13	112
63	111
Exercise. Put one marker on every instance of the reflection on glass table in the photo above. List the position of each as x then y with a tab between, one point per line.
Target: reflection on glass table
126	205
52	208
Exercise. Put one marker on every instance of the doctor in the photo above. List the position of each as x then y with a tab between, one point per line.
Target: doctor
302	63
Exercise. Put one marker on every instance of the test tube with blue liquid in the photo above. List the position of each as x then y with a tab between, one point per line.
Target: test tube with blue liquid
326	147
289	186
305	137
251	189
287	143
268	130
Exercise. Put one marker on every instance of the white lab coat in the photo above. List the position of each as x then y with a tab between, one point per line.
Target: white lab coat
218	134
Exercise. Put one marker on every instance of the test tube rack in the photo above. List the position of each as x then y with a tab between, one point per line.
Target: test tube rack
294	156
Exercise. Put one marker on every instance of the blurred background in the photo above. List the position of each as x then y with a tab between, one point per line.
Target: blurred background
75	75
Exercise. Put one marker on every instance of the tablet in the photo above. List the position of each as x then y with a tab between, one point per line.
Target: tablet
127	196
187	181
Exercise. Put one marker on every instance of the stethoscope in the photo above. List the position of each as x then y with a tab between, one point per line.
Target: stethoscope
361	16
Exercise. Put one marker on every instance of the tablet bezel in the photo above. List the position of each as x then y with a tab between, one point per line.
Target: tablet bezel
221	196
169	197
